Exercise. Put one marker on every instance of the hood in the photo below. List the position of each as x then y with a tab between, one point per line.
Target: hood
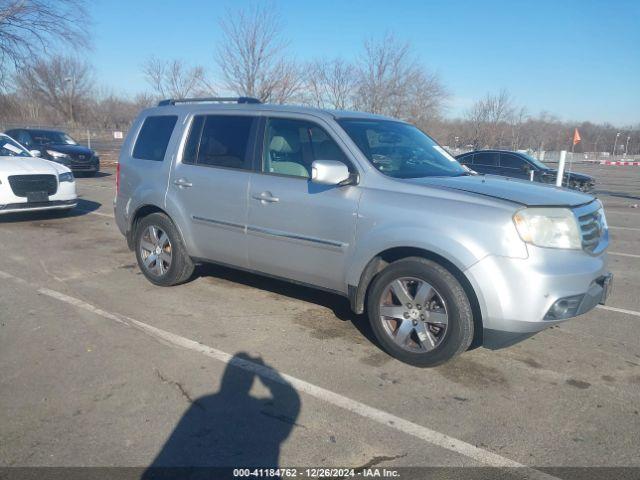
29	165
518	191
68	149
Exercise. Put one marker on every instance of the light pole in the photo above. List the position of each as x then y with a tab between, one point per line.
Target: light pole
70	81
626	146
456	139
615	144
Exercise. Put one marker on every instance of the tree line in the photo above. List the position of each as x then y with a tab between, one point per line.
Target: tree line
46	86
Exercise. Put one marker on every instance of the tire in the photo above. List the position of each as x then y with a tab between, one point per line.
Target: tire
439	330
159	270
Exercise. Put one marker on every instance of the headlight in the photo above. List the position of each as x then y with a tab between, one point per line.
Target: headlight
55	154
548	227
66	177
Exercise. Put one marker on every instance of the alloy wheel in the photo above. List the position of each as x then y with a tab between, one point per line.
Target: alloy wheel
414	314
156	250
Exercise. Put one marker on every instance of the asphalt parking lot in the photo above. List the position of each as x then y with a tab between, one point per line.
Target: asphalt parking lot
100	368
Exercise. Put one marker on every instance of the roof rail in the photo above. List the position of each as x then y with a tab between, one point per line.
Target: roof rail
173	101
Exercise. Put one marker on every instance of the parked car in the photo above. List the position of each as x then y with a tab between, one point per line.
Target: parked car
29	183
520	165
365	206
58	147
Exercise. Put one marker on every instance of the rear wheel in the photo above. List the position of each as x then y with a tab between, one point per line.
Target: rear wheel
160	252
419	312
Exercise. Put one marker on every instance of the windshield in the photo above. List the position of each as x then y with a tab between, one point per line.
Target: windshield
11	148
47	137
401	150
536	162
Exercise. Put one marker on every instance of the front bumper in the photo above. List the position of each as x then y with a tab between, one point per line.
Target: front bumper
88	165
515	295
84	167
65	197
37	206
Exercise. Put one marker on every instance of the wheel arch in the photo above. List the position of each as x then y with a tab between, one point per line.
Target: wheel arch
358	294
140	213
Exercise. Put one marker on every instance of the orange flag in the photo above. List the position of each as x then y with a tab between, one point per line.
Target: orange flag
576	137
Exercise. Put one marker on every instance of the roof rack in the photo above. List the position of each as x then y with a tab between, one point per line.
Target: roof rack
173	101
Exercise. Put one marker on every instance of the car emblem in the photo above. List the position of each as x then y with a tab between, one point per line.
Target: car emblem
81	157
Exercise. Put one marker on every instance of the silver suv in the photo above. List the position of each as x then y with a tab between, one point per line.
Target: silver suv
365	206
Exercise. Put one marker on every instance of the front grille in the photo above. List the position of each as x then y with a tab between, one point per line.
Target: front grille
24	184
81	157
593	229
82	167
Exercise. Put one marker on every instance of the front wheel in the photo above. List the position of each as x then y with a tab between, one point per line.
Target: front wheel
160	252
419	312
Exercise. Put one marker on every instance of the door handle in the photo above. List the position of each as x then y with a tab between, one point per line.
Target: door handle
266	197
183	183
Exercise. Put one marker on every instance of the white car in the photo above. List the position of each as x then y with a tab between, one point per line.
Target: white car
28	183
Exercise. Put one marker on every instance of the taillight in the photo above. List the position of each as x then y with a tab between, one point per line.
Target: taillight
117	178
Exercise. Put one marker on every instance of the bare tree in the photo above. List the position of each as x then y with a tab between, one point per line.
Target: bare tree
30	27
425	99
109	110
490	117
331	84
9	106
63	85
174	79
518	119
144	100
252	56
391	82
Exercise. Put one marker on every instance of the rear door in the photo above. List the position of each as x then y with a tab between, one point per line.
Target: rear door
487	162
298	229
209	184
514	166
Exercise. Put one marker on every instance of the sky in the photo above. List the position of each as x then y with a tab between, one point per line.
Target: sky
576	59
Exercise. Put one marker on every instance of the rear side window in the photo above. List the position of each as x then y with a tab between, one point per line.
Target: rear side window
153	138
486	158
218	141
511	161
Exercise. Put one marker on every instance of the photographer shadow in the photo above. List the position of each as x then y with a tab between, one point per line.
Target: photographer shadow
231	428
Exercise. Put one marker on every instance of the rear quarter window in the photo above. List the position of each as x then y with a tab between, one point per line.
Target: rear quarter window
154	137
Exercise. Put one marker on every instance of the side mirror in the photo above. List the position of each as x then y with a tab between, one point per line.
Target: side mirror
329	172
34	153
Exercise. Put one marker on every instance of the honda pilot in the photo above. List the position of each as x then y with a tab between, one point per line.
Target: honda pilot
366	206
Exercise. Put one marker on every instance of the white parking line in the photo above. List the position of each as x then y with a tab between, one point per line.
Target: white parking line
380	416
619	310
94	212
620	254
611	227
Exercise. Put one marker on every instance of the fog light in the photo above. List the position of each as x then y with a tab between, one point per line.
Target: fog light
565	307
